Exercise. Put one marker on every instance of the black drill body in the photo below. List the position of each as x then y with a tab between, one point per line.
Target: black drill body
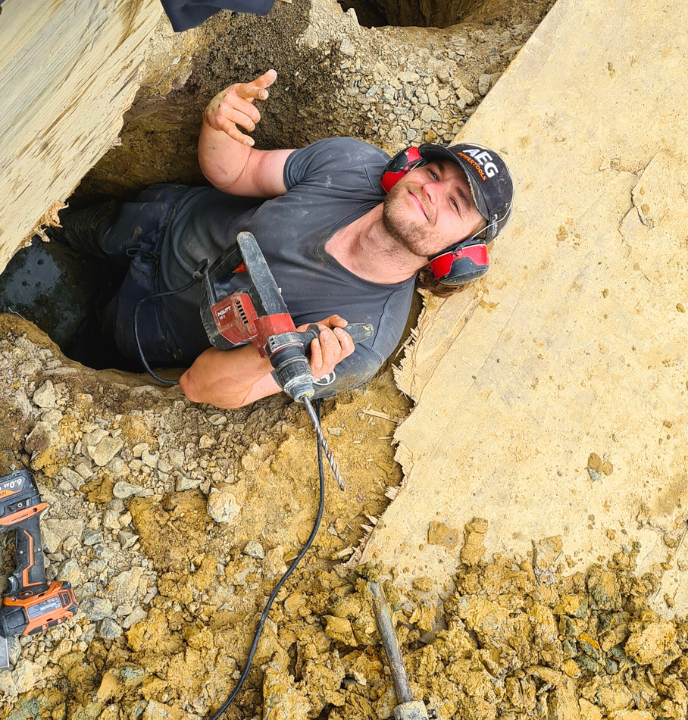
32	603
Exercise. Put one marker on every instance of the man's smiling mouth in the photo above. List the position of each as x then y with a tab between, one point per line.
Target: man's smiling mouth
419	203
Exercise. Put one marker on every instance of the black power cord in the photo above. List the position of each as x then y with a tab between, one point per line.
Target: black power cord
197	277
320	442
264	616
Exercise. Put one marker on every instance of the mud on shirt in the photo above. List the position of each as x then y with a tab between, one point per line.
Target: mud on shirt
329	184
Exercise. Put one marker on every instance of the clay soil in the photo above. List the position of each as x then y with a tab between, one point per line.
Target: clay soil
174	522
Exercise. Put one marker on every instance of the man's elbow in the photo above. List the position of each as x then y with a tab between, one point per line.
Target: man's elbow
197	393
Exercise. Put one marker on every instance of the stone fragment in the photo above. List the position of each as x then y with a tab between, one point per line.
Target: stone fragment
206	442
92	537
90	440
545	555
614	697
222	506
124	489
273	565
159	711
139	448
603	589
84	470
429	114
217	419
73	478
280	698
51	541
105	450
164	466
474	541
347	48
185	483
423	584
45	396
408	77
111	520
464	97
40	438
25	676
176	458
150	459
62	528
656	642
571	668
595	462
70	571
441	534
484	84
116	465
126	539
108	687
125	585
109	629
138	614
254	549
96	609
340	630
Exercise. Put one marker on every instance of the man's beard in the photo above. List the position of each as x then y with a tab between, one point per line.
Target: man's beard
396	222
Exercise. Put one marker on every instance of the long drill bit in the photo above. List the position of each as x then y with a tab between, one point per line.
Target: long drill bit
323	443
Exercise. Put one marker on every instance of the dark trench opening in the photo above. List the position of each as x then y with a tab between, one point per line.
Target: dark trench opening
404	13
65	294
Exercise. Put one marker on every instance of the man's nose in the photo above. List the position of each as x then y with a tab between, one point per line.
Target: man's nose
434	190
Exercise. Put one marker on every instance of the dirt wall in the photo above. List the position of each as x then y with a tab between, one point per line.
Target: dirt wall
68	72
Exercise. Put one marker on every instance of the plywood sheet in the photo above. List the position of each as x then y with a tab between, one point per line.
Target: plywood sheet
69	69
575	342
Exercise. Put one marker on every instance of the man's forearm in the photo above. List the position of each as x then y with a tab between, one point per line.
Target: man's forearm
221	158
228	378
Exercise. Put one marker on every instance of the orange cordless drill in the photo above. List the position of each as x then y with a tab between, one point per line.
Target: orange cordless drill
32	604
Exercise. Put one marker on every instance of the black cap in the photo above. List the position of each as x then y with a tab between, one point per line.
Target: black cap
488	178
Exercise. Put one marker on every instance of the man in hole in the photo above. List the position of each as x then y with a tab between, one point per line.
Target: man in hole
346	231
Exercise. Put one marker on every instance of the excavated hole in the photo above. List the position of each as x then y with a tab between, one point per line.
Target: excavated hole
403	13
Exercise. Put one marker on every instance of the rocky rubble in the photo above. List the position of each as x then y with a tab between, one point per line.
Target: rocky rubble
171	521
169	594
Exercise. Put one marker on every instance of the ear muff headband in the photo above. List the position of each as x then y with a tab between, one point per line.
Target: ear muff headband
403	162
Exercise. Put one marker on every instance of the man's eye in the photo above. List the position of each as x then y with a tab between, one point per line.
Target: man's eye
455	204
434	175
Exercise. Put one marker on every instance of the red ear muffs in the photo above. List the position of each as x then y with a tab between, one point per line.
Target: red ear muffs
461	265
398	166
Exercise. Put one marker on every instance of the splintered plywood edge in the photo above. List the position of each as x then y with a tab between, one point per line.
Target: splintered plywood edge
576	347
69	70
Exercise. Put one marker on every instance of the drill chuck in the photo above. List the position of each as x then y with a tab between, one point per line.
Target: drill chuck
293	372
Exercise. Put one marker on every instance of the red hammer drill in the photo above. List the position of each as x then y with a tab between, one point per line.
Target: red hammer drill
258	314
32	604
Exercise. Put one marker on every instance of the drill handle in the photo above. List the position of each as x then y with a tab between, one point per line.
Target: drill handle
29	574
358	331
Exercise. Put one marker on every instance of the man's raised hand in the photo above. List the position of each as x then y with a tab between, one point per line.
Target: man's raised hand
234	106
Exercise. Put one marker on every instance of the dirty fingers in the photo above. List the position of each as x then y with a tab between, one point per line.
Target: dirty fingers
233	107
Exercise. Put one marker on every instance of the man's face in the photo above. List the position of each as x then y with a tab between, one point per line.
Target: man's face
431	208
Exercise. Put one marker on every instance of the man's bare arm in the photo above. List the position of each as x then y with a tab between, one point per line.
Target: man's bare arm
233	378
226	156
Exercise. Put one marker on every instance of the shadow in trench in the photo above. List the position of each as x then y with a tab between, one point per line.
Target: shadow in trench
64	293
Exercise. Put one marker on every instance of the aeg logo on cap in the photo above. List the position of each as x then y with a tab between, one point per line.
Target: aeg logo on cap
483	158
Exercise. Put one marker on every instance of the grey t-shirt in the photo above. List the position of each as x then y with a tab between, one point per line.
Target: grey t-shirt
329	184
